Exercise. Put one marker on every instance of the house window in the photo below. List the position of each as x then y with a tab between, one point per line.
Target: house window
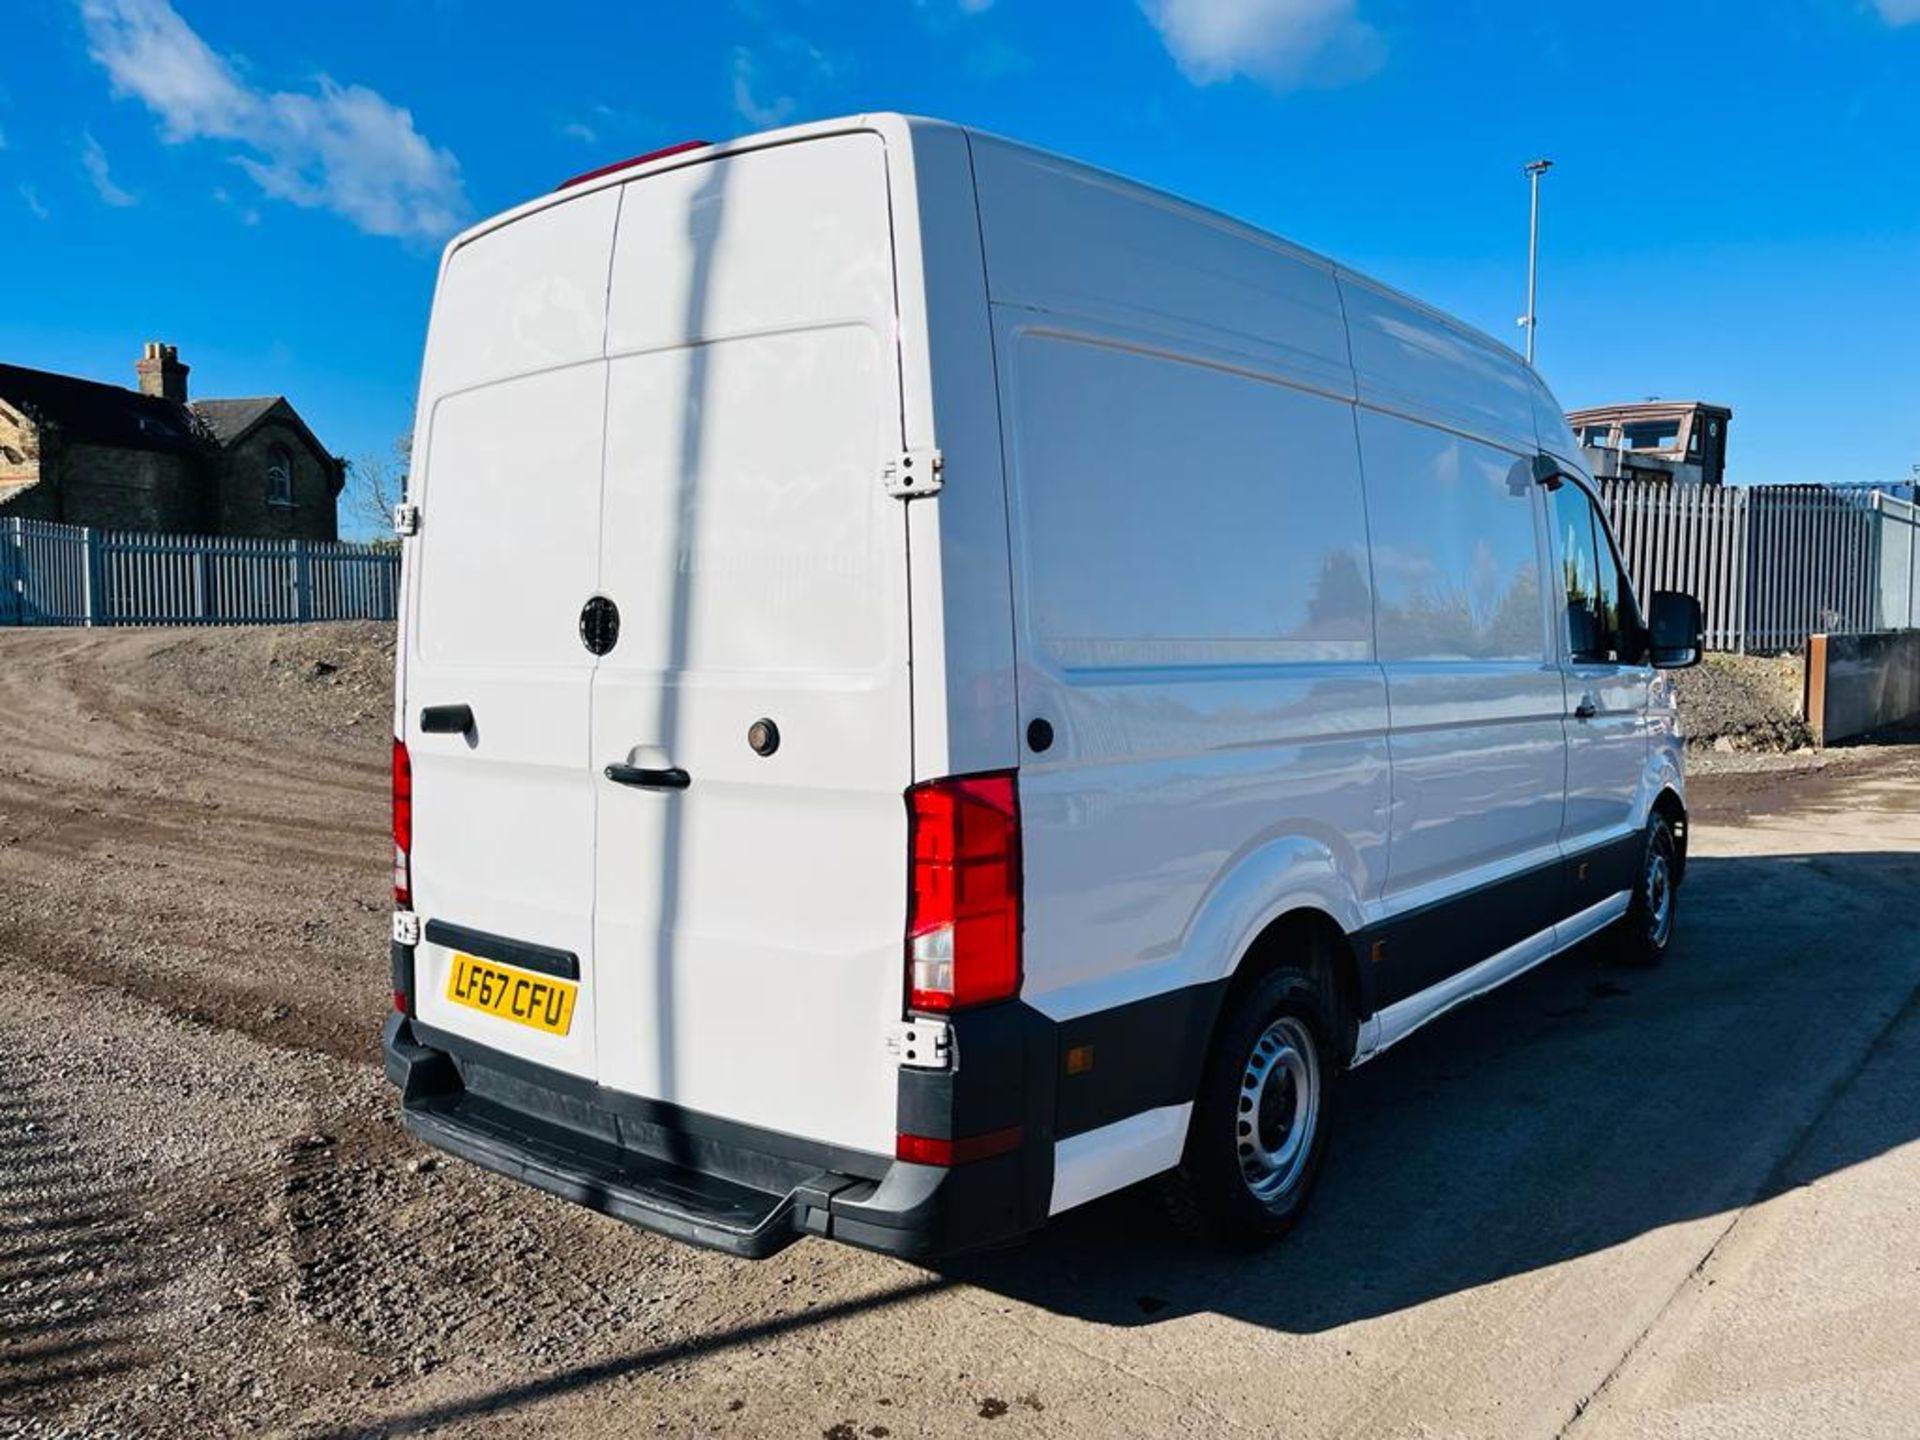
279	476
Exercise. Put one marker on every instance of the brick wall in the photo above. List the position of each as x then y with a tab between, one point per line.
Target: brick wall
114	489
246	505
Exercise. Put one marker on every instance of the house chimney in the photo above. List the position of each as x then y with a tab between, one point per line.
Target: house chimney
161	373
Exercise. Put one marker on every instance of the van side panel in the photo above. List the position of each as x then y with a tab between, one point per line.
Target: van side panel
1066	239
1411	360
1552	433
1479	760
1193	618
1196	624
1479	755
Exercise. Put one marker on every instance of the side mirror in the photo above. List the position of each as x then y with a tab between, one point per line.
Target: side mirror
1675	630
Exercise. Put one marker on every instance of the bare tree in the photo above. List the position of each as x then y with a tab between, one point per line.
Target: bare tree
375	484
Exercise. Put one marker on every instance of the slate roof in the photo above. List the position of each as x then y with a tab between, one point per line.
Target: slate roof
90	412
229	422
230	419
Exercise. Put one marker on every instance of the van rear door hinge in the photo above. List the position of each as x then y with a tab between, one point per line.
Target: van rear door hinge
406	520
922	1043
913	472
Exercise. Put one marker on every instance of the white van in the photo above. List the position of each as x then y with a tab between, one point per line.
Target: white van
936	683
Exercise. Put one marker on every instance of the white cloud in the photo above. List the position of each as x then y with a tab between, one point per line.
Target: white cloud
94	161
765	113
348	150
1280	43
602	122
787	74
1898	12
343	148
31	198
248	215
152	54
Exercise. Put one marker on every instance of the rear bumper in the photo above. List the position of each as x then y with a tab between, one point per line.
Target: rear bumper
694	1177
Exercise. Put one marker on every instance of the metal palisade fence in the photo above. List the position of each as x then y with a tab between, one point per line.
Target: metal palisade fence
72	575
1770	564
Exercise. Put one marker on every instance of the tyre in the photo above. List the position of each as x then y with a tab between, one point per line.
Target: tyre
1260	1120
1642	935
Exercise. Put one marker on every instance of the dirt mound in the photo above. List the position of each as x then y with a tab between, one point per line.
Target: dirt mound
279	679
1742	703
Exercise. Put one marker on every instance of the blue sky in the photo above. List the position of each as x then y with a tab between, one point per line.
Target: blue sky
1734	215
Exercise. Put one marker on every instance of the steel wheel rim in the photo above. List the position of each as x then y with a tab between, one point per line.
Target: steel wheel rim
1659	883
1279	1108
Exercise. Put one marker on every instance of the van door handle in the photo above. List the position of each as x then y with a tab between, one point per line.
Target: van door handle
673	778
447	720
1586	709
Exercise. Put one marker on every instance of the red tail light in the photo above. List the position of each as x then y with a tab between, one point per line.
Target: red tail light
402	824
636	160
925	1150
963	919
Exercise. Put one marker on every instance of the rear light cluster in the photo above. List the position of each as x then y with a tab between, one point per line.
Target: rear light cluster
402	825
963	918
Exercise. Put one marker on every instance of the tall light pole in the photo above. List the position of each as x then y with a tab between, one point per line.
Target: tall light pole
1531	320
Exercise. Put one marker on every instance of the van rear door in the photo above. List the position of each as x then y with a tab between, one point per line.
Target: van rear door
507	475
751	729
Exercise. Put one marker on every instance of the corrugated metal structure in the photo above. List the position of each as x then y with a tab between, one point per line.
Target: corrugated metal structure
1899	563
1770	564
71	575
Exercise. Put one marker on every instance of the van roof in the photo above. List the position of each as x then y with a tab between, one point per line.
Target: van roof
674	157
898	123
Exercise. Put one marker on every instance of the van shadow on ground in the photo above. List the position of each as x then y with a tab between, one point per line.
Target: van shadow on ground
72	1291
1576	1109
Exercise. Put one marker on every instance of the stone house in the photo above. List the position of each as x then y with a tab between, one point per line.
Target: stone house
85	453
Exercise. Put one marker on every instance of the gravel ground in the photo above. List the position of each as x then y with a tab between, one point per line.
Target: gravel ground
211	1223
1742	703
192	834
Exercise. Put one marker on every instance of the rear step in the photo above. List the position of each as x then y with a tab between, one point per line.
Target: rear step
640	1189
617	1154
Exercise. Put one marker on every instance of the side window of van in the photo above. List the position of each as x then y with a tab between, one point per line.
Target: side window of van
1616	590
1603	624
1456	555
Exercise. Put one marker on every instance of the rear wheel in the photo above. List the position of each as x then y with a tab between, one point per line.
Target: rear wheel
1260	1121
1648	924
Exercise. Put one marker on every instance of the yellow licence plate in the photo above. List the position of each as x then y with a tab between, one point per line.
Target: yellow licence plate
541	1001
